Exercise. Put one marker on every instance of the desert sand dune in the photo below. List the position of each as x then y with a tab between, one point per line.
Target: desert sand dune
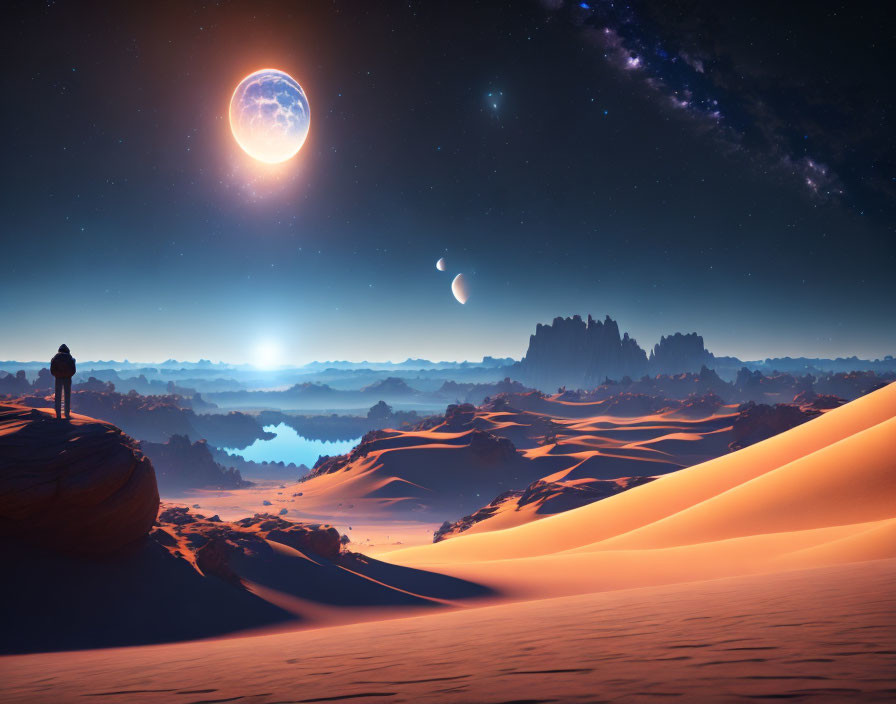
459	465
850	481
809	468
764	573
730	640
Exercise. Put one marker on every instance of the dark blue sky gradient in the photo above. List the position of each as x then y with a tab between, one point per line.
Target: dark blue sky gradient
134	227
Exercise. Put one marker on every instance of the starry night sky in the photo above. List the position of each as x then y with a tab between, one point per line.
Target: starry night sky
681	166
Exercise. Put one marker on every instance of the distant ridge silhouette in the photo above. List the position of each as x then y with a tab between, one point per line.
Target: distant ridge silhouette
582	354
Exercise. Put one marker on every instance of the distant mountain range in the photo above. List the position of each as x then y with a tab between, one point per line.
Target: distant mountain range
570	352
411	364
205	364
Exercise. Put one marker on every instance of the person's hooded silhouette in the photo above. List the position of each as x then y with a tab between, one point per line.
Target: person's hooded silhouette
62	366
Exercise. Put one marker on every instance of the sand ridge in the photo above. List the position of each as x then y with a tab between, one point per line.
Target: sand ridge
830	479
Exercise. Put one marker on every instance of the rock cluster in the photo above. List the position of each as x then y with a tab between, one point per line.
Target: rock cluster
577	354
549	497
157	418
474	393
181	464
757	422
820	402
211	544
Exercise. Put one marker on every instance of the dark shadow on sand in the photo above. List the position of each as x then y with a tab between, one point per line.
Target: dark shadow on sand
352	580
53	602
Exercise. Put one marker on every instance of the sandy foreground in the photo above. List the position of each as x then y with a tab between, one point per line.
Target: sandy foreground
765	574
827	634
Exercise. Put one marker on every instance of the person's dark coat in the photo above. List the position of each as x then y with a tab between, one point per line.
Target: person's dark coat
62	366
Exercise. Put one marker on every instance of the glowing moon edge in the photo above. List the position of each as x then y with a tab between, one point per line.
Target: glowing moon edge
460	289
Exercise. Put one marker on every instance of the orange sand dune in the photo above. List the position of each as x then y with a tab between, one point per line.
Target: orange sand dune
826	635
825	489
442	474
766	573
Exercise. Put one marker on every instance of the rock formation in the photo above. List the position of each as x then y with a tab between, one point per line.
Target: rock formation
679	353
80	486
757	422
576	354
548	497
477	393
580	355
819	402
210	544
94	384
571	352
390	387
14	384
181	464
157	418
852	384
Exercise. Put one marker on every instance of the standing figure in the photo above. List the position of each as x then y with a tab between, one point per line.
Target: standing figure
62	366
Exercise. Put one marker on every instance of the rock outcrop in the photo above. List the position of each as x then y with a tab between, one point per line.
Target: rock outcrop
390	387
577	354
78	486
852	384
548	498
477	393
757	422
14	384
157	418
211	544
818	402
679	353
181	464
571	352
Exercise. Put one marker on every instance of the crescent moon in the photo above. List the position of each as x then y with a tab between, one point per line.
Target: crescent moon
460	289
441	265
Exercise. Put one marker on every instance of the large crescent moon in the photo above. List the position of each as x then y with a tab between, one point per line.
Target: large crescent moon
460	289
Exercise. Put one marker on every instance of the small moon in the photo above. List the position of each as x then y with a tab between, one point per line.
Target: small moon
441	265
270	116
460	289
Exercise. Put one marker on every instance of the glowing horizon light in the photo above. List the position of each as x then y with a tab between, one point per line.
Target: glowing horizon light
267	355
269	116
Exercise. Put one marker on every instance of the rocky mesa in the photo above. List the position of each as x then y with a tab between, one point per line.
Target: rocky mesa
78	486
